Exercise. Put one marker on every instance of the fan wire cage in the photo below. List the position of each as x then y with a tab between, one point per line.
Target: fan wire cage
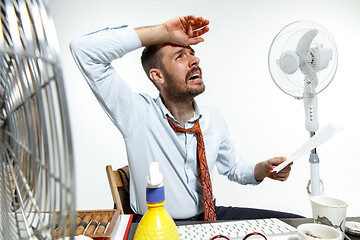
287	39
36	169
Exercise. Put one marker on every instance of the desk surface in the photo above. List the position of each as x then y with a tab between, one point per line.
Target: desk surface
291	221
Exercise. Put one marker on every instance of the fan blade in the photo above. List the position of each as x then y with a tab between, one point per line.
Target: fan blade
305	41
310	75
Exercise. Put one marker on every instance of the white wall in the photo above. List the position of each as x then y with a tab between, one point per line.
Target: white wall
264	122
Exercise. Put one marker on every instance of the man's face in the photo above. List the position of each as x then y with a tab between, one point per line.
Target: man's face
183	77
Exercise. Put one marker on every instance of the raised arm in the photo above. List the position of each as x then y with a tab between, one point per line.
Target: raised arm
183	31
94	53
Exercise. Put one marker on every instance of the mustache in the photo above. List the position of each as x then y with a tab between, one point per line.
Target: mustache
191	72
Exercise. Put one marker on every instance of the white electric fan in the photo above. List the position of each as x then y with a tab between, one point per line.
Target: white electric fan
37	196
302	62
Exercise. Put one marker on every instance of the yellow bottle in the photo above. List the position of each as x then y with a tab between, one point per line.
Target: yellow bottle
156	223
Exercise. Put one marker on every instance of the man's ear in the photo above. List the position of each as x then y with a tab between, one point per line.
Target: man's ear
157	76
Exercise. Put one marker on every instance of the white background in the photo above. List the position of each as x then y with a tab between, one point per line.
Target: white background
264	122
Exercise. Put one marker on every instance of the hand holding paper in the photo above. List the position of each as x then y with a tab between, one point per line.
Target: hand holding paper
319	138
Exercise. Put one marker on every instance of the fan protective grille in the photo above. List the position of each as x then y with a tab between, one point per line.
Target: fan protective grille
36	168
287	39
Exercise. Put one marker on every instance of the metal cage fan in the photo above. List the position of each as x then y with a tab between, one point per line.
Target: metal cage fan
36	168
302	62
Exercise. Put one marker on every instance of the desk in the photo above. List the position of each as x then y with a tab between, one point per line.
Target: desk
291	221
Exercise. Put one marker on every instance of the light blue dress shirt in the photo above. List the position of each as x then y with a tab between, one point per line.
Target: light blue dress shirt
147	133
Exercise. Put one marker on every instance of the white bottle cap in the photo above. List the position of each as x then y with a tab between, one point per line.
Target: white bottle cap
155	177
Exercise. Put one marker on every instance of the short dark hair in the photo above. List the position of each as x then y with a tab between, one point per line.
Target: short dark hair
152	58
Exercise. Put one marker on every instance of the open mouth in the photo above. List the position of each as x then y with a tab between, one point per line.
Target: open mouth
195	77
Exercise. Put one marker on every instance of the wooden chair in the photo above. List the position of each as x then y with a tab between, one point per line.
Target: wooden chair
119	192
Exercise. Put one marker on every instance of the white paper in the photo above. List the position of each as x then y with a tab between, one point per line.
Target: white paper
120	228
319	138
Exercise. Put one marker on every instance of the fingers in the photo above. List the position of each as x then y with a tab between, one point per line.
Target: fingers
280	176
201	31
276	160
194	41
195	36
196	26
284	173
185	31
196	22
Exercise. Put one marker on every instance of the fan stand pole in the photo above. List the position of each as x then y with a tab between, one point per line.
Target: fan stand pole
314	181
314	173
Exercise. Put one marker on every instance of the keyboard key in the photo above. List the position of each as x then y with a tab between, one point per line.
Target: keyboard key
272	228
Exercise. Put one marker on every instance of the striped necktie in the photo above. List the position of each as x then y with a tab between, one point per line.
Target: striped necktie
203	169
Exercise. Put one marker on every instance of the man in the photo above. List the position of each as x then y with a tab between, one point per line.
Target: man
156	129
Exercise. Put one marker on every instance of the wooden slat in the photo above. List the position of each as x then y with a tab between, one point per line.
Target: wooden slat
115	182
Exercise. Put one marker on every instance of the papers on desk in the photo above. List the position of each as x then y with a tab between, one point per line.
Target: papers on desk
122	227
319	138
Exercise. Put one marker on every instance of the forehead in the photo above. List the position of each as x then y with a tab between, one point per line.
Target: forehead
172	49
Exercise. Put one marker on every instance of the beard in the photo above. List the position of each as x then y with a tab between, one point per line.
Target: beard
182	91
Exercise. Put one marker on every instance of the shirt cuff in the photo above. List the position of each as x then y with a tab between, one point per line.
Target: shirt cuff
251	176
128	37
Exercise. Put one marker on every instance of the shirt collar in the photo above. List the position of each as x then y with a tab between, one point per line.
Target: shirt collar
165	111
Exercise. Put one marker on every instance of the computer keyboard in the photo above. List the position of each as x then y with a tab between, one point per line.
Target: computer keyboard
272	228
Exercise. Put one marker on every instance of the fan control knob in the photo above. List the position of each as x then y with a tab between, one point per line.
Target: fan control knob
289	62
